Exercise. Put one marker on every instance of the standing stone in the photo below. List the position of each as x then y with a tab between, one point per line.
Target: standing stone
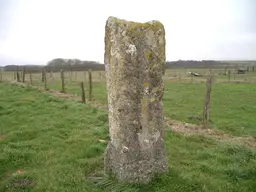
134	64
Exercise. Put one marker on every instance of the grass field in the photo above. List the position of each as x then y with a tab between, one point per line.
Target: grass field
52	144
233	105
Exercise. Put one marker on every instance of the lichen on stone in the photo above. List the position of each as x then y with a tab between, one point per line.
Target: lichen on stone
147	54
131	49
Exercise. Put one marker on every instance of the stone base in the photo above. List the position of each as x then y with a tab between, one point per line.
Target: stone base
125	168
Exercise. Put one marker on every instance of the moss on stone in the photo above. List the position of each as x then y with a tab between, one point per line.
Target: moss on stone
145	84
148	54
136	28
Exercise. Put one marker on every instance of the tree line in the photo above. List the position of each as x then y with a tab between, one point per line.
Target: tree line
58	64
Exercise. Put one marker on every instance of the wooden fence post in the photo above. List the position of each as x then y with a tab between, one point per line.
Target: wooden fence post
62	81
206	110
229	72
42	75
90	85
30	78
23	75
18	75
45	80
82	92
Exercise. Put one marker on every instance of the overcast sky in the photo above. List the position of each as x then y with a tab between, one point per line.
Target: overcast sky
36	31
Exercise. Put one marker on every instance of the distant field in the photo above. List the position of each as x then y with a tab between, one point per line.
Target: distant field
233	106
53	144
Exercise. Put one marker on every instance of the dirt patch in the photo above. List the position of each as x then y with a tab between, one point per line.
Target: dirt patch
63	95
190	129
22	183
18	180
248	141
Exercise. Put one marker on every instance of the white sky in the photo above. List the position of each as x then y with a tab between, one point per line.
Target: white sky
36	31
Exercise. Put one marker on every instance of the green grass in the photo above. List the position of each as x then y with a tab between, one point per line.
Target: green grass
232	104
55	144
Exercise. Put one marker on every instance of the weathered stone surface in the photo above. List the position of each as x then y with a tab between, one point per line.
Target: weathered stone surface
134	63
